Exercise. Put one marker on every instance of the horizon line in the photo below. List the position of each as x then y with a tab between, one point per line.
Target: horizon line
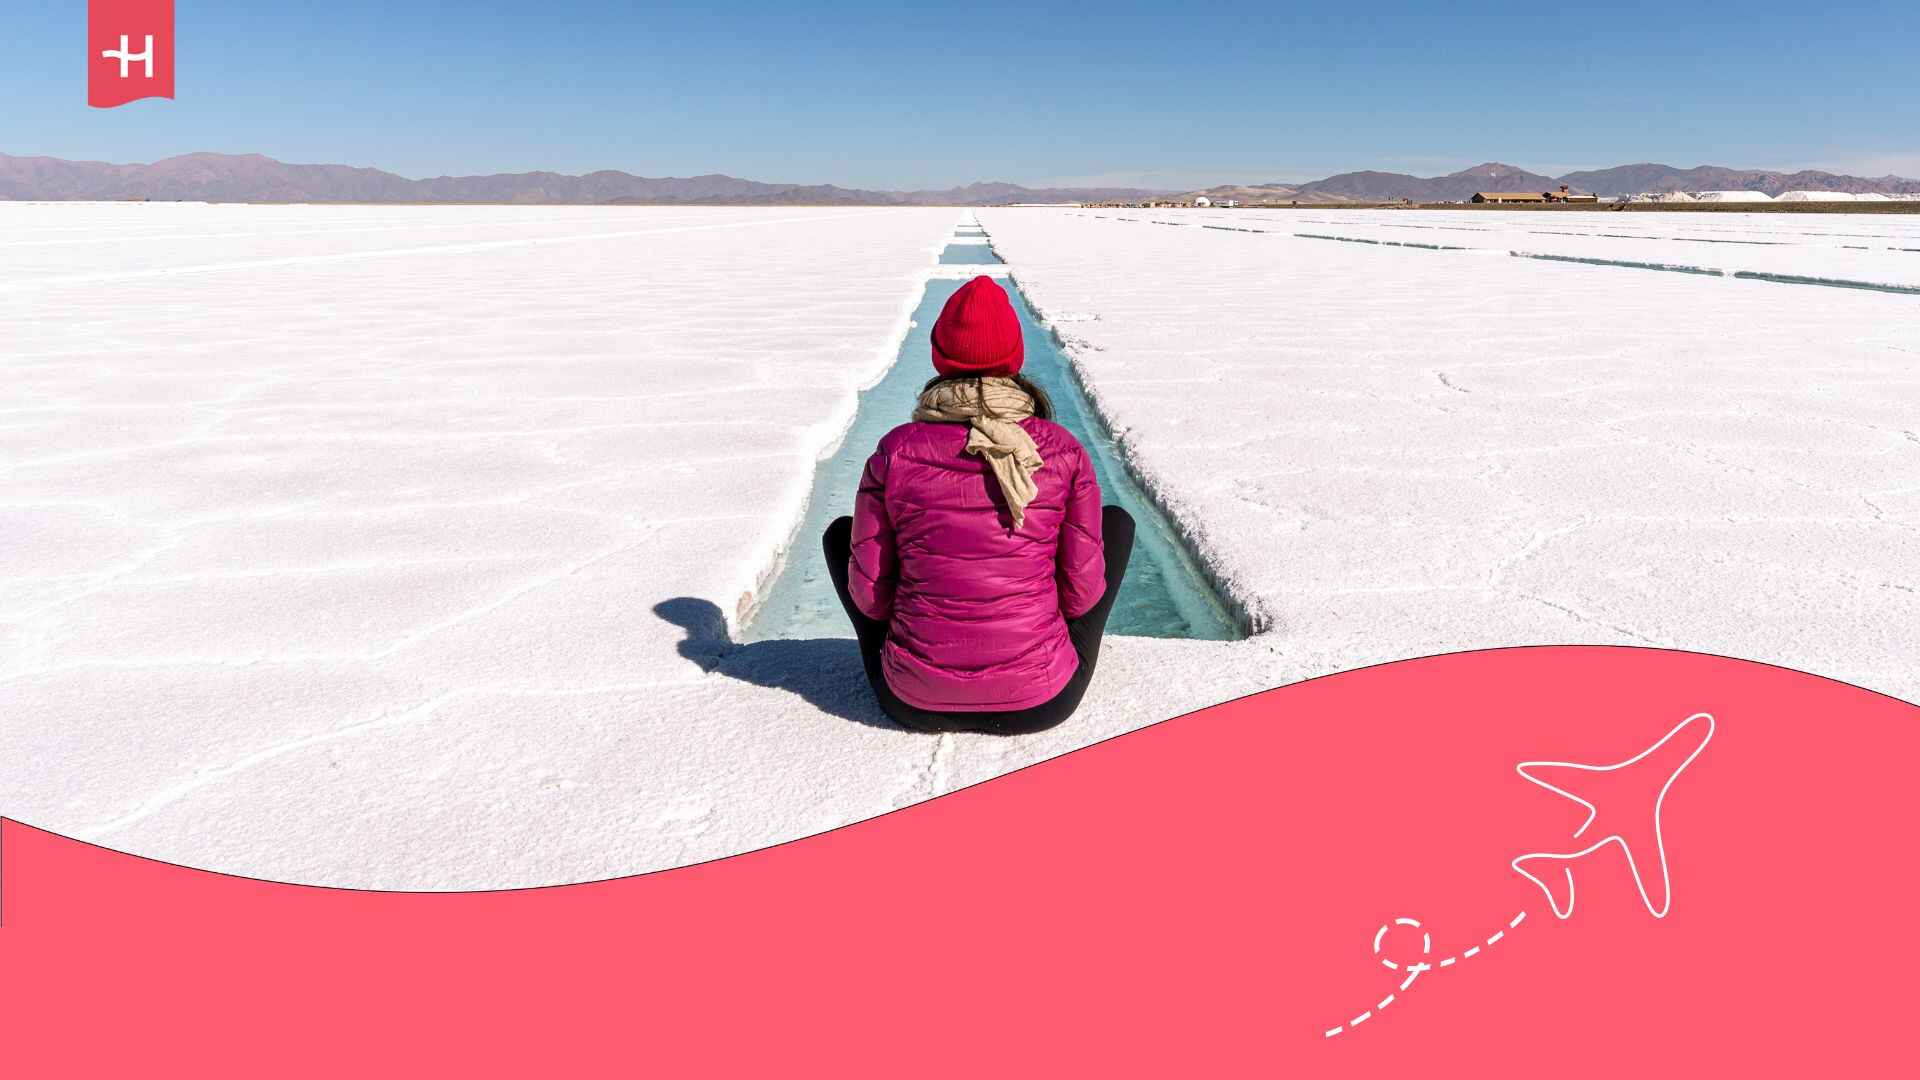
1094	182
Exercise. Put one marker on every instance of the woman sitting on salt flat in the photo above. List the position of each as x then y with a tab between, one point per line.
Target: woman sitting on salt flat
979	566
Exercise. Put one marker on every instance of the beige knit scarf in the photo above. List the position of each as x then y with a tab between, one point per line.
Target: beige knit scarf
993	408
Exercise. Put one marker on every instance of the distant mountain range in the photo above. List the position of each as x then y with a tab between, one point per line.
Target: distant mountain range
1494	176
1628	179
255	178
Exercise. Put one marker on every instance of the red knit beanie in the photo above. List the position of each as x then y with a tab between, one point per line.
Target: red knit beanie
978	333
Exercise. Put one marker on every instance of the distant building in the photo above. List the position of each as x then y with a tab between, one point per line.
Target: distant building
1561	196
1202	200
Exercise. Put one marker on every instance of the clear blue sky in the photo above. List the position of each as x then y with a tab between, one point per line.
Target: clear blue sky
908	95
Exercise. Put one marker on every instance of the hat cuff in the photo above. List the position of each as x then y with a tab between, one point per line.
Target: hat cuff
949	365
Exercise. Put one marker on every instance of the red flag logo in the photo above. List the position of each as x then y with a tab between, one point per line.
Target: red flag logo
129	51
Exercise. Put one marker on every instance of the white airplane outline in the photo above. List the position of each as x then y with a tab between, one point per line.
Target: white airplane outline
1633	865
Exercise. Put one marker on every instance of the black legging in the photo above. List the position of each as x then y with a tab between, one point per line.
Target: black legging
1116	530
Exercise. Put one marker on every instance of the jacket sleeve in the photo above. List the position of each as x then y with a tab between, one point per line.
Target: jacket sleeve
1082	570
874	567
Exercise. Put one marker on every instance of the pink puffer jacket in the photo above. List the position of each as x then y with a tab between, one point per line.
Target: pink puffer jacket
978	612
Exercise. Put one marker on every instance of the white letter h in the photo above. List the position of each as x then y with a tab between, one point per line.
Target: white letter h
121	54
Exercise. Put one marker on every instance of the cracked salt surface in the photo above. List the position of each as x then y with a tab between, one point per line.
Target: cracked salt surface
399	547
1640	458
1752	248
390	546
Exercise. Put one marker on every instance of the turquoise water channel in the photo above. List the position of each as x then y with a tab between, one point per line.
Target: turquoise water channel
968	255
1165	594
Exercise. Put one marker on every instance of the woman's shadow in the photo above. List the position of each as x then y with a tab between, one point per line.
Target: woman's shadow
826	672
